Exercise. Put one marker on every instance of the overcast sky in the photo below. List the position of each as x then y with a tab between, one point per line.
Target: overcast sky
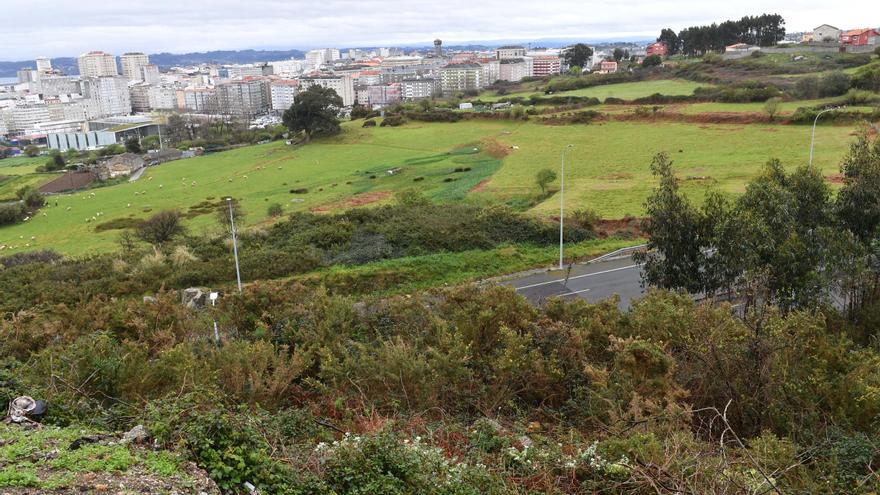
69	27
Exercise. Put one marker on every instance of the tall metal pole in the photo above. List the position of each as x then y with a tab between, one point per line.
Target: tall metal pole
562	205
234	244
816	121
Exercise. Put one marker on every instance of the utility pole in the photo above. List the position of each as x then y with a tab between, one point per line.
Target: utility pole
234	244
562	203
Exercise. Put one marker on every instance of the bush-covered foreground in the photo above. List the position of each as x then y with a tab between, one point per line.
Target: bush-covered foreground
465	390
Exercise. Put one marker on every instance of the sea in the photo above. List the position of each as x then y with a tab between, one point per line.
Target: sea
8	80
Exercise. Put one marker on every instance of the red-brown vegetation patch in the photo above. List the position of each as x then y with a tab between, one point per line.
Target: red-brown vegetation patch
630	226
482	186
495	149
69	182
617	176
354	201
834	178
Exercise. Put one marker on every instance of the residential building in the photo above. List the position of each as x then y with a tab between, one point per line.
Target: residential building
59	85
343	85
607	67
546	65
283	94
44	65
455	78
510	51
659	48
369	77
243	71
27	76
417	89
314	59
400	61
200	100
491	70
860	37
119	166
162	98
513	69
287	68
140	97
244	98
826	34
150	74
97	64
132	63
110	94
26	117
384	94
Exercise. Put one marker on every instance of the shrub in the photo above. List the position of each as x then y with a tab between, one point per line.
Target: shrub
301	190
392	121
652	61
834	84
160	228
11	213
275	210
31	198
18	259
369	123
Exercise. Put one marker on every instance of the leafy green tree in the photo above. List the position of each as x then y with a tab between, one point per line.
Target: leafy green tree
314	113
31	151
543	178
575	70
652	61
132	145
669	37
858	201
675	257
772	107
618	54
55	163
578	55
160	228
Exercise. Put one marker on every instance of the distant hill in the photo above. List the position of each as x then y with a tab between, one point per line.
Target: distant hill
165	60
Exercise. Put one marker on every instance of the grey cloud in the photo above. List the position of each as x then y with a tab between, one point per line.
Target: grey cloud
69	28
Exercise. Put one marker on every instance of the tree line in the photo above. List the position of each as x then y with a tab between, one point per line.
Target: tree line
762	30
785	242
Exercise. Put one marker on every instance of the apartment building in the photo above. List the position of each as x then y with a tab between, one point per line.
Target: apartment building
514	70
417	89
455	78
97	64
110	94
510	51
343	85
132	65
150	74
546	65
246	98
283	94
199	100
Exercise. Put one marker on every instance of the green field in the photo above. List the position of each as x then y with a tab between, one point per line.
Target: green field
10	184
607	171
626	91
20	165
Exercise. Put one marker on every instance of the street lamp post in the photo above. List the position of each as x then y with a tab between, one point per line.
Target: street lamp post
234	244
816	121
562	203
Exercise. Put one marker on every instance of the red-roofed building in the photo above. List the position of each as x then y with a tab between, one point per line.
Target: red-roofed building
658	48
860	37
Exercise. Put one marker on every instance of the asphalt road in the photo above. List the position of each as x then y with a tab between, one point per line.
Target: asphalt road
593	282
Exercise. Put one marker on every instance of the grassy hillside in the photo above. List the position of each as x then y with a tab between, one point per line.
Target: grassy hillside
626	91
607	171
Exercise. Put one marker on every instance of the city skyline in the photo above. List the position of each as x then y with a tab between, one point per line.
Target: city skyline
194	26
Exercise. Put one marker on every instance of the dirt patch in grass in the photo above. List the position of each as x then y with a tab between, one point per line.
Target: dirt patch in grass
480	187
354	201
700	118
622	227
68	182
495	149
834	178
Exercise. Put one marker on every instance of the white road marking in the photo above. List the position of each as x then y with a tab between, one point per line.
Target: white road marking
579	276
575	292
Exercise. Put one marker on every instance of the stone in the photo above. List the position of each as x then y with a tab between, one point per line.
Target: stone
149	300
194	297
138	434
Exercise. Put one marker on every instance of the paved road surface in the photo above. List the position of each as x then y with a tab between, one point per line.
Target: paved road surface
593	282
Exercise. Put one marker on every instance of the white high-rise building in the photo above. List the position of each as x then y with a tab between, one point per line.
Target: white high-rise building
109	94
97	64
315	59
150	74
283	94
44	65
343	85
132	63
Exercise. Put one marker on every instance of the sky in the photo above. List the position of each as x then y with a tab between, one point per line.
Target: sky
57	28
